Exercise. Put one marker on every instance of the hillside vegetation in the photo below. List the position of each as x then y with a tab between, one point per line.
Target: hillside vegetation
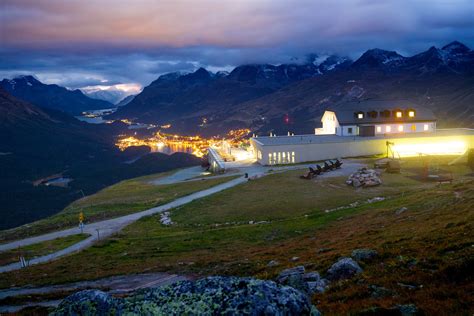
422	232
126	197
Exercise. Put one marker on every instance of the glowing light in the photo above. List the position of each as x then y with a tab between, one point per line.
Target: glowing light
438	148
398	114
411	113
360	116
379	129
400	128
426	127
388	129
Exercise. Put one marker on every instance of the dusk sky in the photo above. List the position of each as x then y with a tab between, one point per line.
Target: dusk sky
127	44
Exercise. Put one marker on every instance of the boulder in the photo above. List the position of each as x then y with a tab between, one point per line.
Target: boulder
309	283
208	296
364	254
283	276
87	302
344	268
364	177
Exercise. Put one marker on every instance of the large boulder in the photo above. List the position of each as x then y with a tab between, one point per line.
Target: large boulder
209	296
344	268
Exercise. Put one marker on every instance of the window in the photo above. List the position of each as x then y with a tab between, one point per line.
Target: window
400	128
372	114
293	157
379	129
398	114
349	130
270	160
411	113
360	115
385	113
426	127
413	128
259	154
388	129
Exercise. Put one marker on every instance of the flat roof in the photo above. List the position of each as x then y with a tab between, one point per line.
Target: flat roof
323	139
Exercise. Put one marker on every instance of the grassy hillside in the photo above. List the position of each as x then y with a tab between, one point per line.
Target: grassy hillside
40	249
124	198
425	251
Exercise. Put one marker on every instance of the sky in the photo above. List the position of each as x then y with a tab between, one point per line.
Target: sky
124	45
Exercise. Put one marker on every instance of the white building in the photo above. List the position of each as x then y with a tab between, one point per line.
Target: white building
362	129
372	118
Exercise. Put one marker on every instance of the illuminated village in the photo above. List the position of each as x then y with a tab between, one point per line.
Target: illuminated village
196	145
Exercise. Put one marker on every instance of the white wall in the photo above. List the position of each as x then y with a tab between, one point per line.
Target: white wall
330	124
350	147
381	129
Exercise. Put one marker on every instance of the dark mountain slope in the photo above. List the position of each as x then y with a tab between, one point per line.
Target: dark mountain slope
42	143
51	96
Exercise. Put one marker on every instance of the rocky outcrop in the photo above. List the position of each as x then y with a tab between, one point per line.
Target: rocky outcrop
344	268
364	177
209	296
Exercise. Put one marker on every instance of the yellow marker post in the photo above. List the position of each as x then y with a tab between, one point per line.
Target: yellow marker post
81	221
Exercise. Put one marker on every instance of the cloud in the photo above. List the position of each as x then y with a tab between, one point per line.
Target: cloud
81	43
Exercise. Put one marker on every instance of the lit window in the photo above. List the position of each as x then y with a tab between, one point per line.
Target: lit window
426	127
388	129
411	113
398	114
400	128
360	115
379	129
413	128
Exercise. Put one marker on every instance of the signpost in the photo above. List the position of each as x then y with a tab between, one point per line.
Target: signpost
81	221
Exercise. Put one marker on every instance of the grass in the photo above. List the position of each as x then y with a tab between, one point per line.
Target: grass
124	198
428	246
40	249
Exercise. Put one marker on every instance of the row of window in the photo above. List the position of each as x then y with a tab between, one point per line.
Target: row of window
388	128
278	158
401	128
397	113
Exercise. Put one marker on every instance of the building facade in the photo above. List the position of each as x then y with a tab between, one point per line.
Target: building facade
362	129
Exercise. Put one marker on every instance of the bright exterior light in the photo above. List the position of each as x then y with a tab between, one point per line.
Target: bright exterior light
398	114
441	148
400	128
388	129
360	116
411	113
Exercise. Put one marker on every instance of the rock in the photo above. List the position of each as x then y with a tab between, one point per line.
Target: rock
408	310
293	259
88	302
287	272
379	291
364	177
364	254
311	276
273	263
208	296
309	283
344	268
401	210
317	286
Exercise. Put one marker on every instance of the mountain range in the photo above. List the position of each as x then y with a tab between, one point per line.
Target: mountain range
292	97
51	96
